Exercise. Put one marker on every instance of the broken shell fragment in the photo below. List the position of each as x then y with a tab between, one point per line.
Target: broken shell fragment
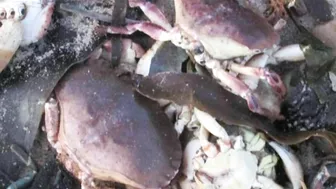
228	167
266	165
254	141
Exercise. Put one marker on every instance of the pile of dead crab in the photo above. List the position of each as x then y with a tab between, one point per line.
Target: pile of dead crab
147	124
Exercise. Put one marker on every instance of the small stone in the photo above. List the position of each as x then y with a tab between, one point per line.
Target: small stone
332	78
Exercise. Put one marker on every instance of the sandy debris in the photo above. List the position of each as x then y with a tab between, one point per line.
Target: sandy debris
83	27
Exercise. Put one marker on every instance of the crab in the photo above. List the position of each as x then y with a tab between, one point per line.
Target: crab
22	22
222	164
215	33
103	130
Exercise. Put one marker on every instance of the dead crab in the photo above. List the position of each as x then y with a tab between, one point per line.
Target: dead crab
104	131
215	33
22	22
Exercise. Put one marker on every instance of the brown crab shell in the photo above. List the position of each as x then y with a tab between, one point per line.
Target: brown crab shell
117	134
225	28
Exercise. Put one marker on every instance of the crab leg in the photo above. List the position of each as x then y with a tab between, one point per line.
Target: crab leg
231	82
237	87
157	28
272	78
153	30
152	12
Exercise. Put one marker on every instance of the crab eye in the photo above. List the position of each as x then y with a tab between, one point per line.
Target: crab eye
21	11
3	13
11	13
198	50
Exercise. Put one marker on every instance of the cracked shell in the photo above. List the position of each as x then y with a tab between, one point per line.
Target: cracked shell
116	133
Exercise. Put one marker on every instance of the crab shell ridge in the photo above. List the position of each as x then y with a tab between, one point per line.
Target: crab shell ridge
225	28
115	132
